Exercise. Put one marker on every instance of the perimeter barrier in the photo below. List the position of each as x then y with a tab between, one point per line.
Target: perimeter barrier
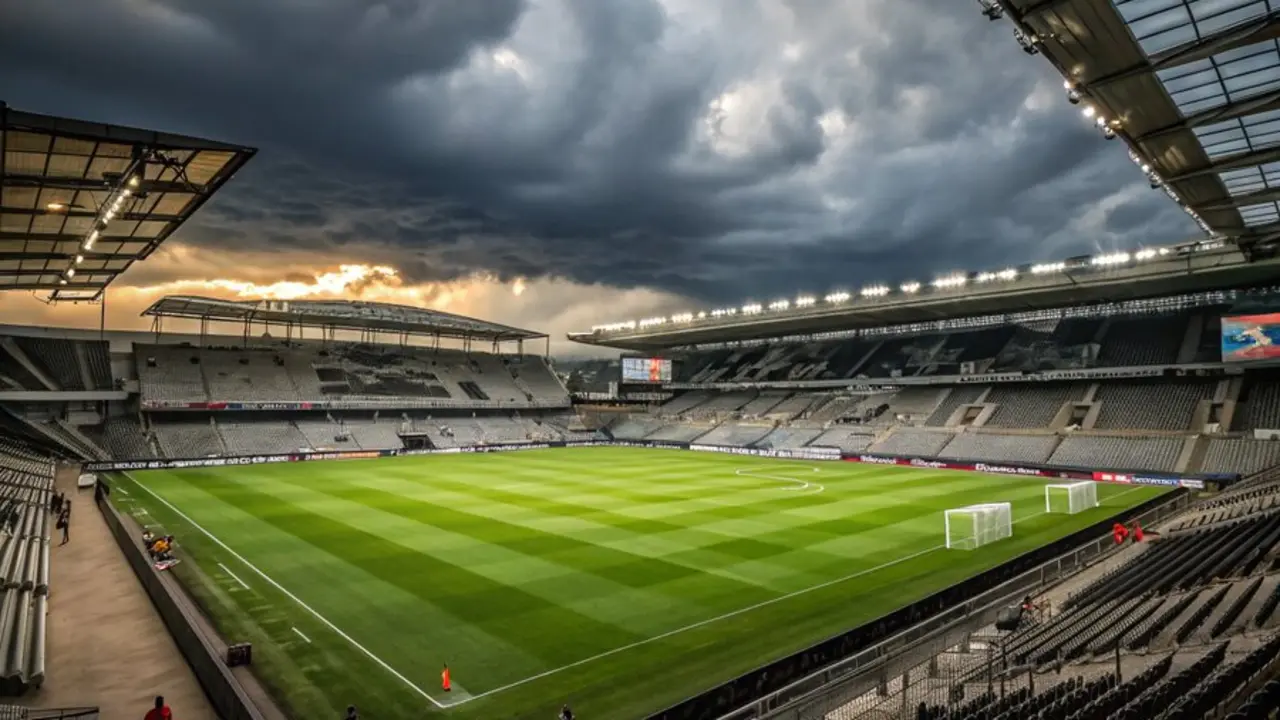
181	617
766	689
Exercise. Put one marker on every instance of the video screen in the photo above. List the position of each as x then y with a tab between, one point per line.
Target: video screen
1251	337
646	370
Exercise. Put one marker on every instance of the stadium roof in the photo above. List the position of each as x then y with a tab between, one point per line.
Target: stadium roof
337	315
1193	86
1188	268
80	202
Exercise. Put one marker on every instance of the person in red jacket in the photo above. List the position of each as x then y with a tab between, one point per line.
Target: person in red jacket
1137	532
1119	531
160	712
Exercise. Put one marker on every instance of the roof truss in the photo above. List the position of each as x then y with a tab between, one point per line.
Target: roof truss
80	202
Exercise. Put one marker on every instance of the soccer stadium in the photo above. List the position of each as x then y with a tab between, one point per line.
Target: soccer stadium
1039	491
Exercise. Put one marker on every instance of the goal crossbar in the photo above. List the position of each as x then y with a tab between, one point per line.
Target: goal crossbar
977	525
1080	495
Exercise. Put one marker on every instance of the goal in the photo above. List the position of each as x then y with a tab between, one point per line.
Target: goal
977	525
1070	498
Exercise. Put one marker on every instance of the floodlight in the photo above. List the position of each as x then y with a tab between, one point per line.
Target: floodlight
1108	133
1045	268
1008	274
837	298
1101	121
779	305
951	281
910	287
1145	254
874	291
133	181
1089	111
62	281
804	301
71	272
79	259
55	206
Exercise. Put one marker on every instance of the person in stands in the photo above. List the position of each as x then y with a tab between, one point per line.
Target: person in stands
160	711
148	538
1137	532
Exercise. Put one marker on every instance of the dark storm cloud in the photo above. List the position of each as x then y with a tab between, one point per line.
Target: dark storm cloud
720	149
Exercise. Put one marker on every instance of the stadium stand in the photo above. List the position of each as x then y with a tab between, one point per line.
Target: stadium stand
1118	453
1030	407
912	441
26	487
955	398
1149	406
1000	448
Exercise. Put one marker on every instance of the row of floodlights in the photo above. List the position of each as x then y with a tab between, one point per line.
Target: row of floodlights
946	282
1109	129
106	214
1077	94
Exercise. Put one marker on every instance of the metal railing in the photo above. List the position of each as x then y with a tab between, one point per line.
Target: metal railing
826	691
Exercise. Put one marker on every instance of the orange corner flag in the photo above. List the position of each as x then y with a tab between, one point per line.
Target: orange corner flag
444	679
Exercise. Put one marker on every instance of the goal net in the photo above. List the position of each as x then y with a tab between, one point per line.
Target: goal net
1070	498
977	525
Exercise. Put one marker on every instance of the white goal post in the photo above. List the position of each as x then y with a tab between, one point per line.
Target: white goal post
974	526
1070	498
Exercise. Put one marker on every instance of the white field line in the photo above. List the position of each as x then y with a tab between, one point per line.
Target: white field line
728	615
578	663
126	492
290	595
299	633
798	485
235	577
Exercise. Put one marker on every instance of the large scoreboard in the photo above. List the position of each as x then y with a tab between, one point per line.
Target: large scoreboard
1251	337
646	370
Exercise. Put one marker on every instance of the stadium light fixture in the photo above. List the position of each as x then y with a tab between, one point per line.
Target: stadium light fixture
1046	268
752	309
805	301
779	305
875	291
133	181
837	297
910	287
682	317
71	272
1089	111
1145	254
950	281
1108	133
79	259
1109	259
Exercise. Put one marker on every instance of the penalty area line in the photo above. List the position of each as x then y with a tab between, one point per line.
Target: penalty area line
367	653
299	634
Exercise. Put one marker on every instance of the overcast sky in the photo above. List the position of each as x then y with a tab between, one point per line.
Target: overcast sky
563	163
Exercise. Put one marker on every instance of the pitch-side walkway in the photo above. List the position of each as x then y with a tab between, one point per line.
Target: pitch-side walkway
106	644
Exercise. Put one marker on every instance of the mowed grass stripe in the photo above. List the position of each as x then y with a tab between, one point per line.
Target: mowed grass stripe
572	575
656	672
520	618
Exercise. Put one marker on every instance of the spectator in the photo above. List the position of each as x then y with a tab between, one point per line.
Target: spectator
64	524
160	711
148	538
351	713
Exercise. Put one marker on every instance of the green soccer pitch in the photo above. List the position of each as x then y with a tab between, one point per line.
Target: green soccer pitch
618	580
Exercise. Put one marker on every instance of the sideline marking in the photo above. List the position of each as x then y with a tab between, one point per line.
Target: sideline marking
299	632
235	577
584	661
734	613
126	492
798	484
290	595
